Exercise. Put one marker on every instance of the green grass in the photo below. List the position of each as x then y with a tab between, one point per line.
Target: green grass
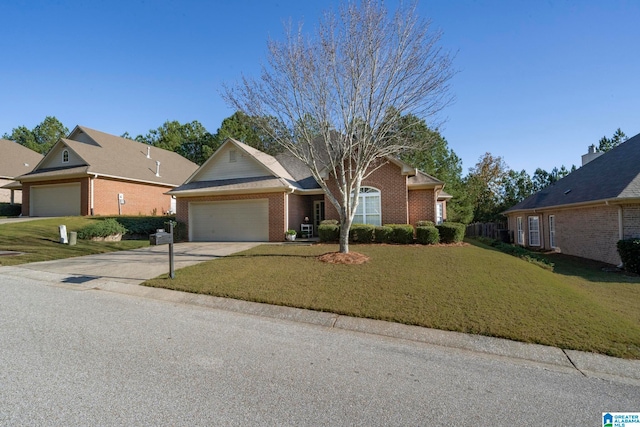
471	288
39	241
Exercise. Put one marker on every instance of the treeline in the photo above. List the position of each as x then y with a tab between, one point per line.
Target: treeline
489	188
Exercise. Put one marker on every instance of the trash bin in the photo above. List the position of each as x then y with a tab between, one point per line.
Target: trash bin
73	238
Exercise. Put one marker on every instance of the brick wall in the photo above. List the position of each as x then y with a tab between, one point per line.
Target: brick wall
276	210
140	199
393	194
422	206
631	221
587	232
5	195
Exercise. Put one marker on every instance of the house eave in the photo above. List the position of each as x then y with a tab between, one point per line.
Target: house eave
614	201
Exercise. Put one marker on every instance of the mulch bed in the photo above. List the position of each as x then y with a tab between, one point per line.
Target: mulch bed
340	258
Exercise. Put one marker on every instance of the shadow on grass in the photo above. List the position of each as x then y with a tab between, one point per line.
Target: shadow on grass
567	265
271	256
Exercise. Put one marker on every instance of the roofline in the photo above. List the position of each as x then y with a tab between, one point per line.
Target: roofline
609	201
88	173
425	186
208	192
121	178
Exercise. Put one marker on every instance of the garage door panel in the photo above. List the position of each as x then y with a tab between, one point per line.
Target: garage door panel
55	200
229	221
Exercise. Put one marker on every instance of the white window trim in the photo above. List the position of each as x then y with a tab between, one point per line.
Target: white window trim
552	231
65	153
369	192
519	231
534	233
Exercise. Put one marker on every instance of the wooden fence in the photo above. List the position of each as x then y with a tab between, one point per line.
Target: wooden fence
491	230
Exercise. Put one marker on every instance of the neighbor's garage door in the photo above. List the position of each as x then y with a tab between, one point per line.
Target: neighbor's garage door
234	221
55	200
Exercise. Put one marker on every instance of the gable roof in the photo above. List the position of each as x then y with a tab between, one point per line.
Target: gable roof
614	176
115	157
16	159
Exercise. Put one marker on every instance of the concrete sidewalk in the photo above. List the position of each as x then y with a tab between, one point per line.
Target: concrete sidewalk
122	272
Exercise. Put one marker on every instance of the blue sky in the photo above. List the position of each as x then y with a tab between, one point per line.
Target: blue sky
538	80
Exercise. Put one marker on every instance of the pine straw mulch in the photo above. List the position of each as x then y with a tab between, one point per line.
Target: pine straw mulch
340	258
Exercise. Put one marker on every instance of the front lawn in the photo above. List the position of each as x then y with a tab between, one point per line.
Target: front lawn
469	288
38	240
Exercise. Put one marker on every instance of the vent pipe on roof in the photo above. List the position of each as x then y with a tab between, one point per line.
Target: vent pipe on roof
148	151
157	168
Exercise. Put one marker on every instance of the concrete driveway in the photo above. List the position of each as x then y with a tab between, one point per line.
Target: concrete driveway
136	266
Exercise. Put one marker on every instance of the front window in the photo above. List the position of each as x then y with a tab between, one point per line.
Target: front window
368	211
65	156
534	231
440	213
552	231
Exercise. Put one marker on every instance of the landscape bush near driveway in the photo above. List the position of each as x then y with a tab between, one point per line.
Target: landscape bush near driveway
466	288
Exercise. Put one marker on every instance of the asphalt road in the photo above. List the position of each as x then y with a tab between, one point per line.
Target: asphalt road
71	355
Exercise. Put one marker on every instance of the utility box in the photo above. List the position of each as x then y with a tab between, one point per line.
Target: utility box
161	238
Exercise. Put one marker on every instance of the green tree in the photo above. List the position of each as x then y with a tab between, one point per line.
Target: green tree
605	144
253	131
517	187
190	140
42	137
433	156
485	185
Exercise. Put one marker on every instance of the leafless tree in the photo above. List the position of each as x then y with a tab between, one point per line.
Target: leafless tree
340	91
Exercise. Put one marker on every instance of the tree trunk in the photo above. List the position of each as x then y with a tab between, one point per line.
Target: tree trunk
345	226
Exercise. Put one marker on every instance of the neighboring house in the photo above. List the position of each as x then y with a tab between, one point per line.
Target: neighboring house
588	211
15	160
94	173
243	194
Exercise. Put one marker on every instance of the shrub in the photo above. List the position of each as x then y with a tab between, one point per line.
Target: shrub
103	228
425	223
382	234
517	251
629	250
144	225
427	235
401	233
451	232
361	233
179	232
330	221
329	232
7	209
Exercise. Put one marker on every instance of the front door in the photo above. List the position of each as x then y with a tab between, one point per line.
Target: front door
318	214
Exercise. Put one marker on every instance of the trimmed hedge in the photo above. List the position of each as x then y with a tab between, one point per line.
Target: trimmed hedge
427	235
451	232
629	250
425	223
104	228
7	209
361	233
329	232
144	225
401	233
330	221
382	234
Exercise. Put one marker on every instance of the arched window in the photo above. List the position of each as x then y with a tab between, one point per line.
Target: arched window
368	211
65	156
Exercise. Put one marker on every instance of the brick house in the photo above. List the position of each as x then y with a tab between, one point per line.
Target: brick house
588	211
95	173
15	160
243	194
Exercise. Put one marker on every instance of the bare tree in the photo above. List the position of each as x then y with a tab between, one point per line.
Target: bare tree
341	91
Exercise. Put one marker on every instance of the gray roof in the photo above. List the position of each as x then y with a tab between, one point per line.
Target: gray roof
615	175
231	185
16	159
122	158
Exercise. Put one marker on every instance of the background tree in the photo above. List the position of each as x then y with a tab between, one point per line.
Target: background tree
190	140
433	156
351	79
606	144
244	128
517	186
484	183
42	137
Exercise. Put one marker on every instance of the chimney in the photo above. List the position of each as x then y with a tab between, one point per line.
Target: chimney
148	151
591	154
157	168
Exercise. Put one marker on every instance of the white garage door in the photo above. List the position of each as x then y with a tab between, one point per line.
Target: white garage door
55	200
235	221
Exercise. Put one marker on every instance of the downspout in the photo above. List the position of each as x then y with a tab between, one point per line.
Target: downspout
95	175
620	230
